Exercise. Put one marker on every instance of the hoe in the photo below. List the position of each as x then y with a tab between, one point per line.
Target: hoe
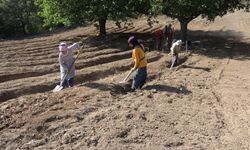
60	87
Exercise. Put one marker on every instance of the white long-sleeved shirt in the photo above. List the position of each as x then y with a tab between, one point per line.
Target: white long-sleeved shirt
65	61
176	47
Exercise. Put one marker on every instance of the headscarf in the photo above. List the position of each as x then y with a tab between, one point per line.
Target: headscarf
63	47
179	42
132	40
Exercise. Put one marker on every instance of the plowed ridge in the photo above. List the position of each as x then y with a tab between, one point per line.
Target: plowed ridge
31	66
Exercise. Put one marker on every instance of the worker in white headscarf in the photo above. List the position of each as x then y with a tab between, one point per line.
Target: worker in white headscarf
175	49
67	68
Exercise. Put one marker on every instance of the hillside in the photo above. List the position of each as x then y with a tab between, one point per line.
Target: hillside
201	104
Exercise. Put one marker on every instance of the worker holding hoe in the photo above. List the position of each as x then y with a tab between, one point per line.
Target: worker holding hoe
175	49
66	61
140	66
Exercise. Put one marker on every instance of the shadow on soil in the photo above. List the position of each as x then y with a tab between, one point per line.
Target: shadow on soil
216	44
219	44
181	60
113	88
116	88
45	33
119	40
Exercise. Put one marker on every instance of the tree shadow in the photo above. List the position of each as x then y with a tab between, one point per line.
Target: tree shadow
215	44
219	44
45	33
118	40
181	60
166	88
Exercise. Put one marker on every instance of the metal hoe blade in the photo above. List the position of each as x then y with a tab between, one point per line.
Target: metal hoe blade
57	88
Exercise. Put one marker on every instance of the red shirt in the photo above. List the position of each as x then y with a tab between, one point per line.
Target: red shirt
158	33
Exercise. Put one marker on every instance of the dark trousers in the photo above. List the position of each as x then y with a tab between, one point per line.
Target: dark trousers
175	59
139	78
158	44
170	42
68	82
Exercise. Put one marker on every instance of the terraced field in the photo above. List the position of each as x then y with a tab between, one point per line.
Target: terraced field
201	104
32	65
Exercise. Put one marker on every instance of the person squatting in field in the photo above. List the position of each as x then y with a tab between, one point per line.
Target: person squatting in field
140	66
65	60
175	49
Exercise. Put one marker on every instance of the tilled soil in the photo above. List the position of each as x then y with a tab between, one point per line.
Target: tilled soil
201	104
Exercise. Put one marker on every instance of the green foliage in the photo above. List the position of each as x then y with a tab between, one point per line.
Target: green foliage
56	12
156	7
23	16
75	12
18	16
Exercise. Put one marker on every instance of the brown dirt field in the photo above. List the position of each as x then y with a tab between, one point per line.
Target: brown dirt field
201	104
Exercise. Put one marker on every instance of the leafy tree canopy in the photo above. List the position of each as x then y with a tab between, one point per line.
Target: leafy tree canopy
18	16
70	12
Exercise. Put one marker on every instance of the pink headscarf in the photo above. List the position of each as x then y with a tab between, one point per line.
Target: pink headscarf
63	47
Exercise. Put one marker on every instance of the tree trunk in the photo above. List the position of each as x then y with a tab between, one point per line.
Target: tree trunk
184	29
24	28
102	26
